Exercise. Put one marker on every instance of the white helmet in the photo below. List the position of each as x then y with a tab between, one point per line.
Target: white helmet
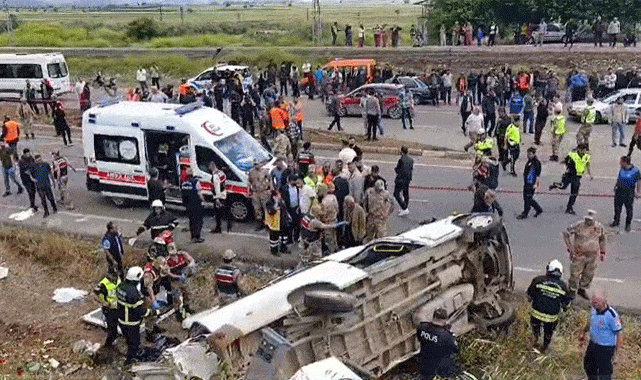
555	266
134	274
157	203
229	255
481	131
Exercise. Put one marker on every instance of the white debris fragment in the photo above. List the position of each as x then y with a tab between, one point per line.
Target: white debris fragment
22	215
4	272
64	295
54	363
192	359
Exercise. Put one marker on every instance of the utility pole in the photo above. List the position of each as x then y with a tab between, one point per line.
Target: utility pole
7	14
160	9
317	29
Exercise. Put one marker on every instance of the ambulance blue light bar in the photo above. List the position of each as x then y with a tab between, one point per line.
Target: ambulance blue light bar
187	108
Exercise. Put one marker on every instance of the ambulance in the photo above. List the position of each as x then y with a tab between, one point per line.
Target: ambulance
124	140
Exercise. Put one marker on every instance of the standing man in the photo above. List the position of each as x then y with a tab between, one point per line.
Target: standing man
404	168
587	120
228	278
379	205
276	219
193	200
26	116
8	169
41	175
557	128
438	347
494	29
543	29
356	219
260	185
114	249
10	133
585	240
549	296
614	28
131	311
155	187
158	220
61	176
141	77
221	204
577	163
407	103
30	94
618	120
598	29
541	119
488	105
531	182
334	31
513	143
154	73
25	164
528	113
106	295
372	108
334	110
628	181
361	36
636	137
466	108
605	329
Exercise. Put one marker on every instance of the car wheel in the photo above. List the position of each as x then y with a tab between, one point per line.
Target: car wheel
240	209
394	112
487	318
342	111
119	201
329	301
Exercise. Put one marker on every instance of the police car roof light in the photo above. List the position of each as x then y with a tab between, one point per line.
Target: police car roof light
188	108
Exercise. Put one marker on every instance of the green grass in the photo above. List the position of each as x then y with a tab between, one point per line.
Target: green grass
203	26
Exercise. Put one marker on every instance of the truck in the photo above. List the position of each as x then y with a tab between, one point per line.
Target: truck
122	141
361	306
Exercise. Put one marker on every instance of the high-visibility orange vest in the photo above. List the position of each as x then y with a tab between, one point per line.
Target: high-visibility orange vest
279	118
299	112
13	131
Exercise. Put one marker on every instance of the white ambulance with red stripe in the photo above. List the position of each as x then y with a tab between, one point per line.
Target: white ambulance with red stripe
123	141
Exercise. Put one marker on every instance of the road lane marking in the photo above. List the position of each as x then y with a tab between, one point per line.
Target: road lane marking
247	234
615	280
79	217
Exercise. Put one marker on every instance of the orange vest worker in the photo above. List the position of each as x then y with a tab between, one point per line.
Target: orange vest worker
280	118
13	131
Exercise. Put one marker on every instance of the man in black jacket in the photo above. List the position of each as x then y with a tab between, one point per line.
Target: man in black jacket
438	347
549	295
131	311
403	171
531	181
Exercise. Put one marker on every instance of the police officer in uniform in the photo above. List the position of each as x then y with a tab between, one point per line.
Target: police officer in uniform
605	331
549	295
585	240
305	158
113	247
577	163
131	311
158	220
227	279
193	201
221	204
438	347
106	295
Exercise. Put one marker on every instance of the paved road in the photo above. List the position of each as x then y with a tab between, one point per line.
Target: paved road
534	241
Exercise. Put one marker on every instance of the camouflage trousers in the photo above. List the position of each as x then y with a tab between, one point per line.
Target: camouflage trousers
583	135
329	237
312	251
376	229
582	269
258	202
556	143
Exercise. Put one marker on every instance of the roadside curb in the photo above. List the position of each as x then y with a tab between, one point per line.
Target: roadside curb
433	152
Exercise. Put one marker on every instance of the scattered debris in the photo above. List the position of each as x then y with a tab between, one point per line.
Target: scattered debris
192	359
85	347
54	363
4	272
65	295
22	215
72	369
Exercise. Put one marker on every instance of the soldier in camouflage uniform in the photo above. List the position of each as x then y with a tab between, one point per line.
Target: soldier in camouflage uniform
282	146
379	205
329	214
260	185
310	231
585	240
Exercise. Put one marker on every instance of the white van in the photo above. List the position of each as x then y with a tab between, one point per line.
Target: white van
123	140
17	69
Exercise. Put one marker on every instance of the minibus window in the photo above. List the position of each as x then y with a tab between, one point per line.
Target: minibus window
6	72
57	70
27	71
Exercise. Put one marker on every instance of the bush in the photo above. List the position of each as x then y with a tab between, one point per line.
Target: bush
142	29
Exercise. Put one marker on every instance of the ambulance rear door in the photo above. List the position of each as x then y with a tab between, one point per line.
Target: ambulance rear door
118	166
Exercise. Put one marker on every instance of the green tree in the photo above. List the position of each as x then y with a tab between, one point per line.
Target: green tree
142	29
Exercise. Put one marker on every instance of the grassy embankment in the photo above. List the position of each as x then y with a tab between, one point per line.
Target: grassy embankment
271	25
504	358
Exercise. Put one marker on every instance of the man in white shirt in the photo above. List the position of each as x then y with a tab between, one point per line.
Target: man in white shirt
609	81
356	181
473	125
347	154
141	77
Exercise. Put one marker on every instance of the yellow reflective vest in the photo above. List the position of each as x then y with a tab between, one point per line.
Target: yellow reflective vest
513	134
111	298
558	125
484	145
589	115
580	163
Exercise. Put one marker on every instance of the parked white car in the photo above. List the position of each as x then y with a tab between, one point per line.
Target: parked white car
204	79
631	99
